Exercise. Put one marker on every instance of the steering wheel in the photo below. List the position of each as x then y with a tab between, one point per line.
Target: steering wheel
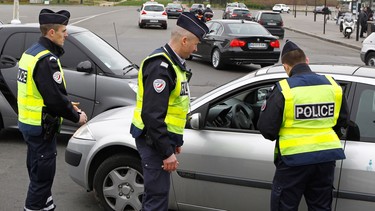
242	116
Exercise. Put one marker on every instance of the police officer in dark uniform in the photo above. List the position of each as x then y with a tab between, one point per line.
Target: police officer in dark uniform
306	114
42	105
163	100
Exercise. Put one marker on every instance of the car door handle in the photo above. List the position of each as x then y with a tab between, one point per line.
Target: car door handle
7	61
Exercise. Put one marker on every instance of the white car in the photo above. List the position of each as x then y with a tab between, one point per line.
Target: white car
152	14
368	50
281	8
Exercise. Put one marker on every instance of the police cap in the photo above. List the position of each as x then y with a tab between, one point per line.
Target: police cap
288	47
190	22
47	16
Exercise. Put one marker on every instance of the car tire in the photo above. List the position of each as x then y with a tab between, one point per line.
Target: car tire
140	25
370	59
216	60
164	26
119	179
281	11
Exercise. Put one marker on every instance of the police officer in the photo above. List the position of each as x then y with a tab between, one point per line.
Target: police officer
42	103
162	107
305	114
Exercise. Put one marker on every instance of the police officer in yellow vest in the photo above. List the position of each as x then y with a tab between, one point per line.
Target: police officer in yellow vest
42	103
306	114
161	110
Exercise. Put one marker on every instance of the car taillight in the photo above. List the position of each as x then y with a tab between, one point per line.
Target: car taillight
233	15
143	12
282	23
164	13
237	43
248	15
275	44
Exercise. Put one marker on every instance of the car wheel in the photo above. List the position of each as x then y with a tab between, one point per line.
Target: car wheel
164	26
370	59
140	25
118	183
216	60
281	11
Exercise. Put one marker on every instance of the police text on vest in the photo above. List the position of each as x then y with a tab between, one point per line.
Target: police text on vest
314	111
22	75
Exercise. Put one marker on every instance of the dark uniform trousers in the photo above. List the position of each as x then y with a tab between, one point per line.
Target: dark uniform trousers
313	181
156	180
41	166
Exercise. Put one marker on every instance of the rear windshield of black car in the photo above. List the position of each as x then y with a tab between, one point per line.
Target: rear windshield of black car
248	29
155	8
271	16
244	12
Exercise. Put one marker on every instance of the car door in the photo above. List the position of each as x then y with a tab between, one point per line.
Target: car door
357	181
230	168
212	39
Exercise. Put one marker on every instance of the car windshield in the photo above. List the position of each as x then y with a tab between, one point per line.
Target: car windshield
155	8
114	60
271	16
248	29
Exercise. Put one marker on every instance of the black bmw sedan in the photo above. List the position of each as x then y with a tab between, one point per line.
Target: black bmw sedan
238	42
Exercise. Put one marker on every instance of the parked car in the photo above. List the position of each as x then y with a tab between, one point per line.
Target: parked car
195	7
322	10
228	11
281	8
272	21
238	42
174	10
225	163
97	75
368	50
152	14
240	13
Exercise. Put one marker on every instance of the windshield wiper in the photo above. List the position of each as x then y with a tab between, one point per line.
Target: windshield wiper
130	67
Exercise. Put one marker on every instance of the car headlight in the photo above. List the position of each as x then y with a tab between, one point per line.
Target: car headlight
83	133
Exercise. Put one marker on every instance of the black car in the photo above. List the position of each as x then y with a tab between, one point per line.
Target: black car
238	42
240	13
322	10
272	21
97	75
174	10
196	7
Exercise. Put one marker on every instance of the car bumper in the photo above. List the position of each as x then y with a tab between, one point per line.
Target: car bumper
173	14
154	22
76	154
255	57
276	31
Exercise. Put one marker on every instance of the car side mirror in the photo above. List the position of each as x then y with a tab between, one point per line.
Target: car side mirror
7	61
85	66
138	10
194	121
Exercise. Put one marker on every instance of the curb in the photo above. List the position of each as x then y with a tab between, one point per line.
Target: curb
322	38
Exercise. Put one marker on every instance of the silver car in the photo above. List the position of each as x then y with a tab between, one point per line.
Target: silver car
225	162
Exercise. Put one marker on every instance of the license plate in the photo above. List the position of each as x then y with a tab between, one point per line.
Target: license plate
153	21
271	24
173	10
257	45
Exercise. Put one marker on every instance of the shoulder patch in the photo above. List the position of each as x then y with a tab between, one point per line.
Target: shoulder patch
159	85
163	64
57	77
52	58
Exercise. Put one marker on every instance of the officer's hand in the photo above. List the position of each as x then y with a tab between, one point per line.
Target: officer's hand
170	164
178	150
82	118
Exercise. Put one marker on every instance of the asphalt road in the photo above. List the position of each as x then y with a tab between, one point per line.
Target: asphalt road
136	44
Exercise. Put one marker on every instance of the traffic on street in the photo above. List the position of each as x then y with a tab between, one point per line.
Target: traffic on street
119	27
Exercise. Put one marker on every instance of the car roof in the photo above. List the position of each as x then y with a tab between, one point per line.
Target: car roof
227	21
35	27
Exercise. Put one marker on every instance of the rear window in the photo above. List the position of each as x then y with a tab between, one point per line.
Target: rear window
155	8
271	16
249	29
174	6
242	12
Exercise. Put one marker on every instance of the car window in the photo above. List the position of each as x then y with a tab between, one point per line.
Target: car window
239	111
155	8
271	16
241	11
216	29
72	56
253	29
111	58
364	111
14	46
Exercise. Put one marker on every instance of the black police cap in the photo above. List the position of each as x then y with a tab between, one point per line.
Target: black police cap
47	16
190	22
288	47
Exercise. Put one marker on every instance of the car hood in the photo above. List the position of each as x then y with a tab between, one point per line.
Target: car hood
125	113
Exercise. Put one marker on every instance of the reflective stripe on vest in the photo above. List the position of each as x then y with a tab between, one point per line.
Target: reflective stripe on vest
178	105
310	112
30	102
